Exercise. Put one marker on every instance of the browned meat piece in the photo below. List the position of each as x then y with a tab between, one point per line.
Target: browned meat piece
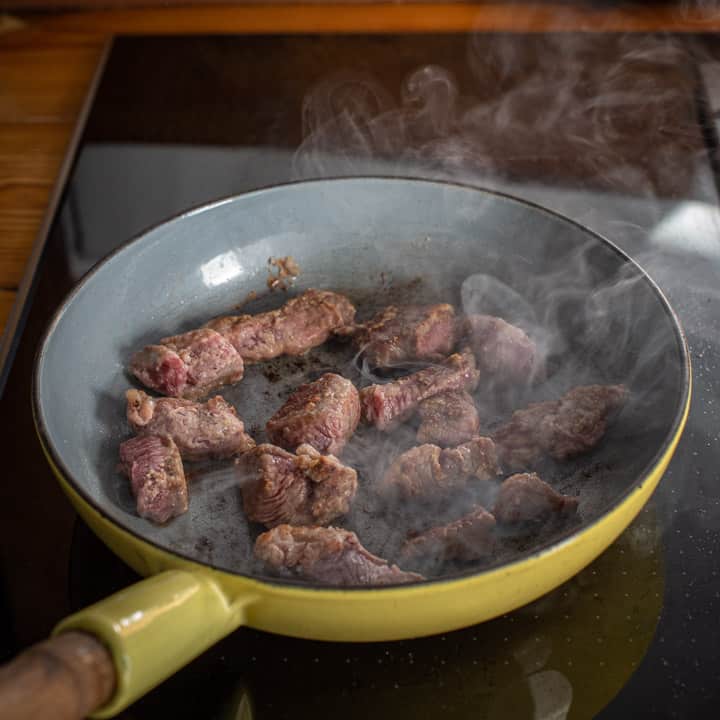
156	476
559	428
323	414
413	332
327	555
527	437
300	324
469	538
582	417
200	430
188	365
302	489
504	352
427	472
386	405
526	498
448	418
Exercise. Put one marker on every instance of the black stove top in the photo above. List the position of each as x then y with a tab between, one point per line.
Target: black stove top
614	131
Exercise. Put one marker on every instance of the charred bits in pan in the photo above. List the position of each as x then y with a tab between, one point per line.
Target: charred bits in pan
286	270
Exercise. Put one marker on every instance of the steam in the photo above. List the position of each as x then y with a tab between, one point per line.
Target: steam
588	110
485	294
517	113
351	122
699	11
612	115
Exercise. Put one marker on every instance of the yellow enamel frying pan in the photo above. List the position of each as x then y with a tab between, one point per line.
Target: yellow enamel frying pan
378	240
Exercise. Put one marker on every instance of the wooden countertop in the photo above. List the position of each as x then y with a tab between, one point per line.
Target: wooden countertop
47	62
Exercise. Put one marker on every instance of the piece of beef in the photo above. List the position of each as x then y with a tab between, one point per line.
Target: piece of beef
200	430
503	351
188	365
582	417
411	332
157	480
300	324
526	438
559	428
525	498
448	418
302	489
327	555
323	414
469	538
430	473
386	405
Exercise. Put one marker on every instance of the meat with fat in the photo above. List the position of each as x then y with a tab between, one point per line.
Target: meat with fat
412	332
559	428
525	498
389	404
327	555
302	489
469	538
188	365
448	418
157	480
430	473
200	430
299	325
323	414
503	351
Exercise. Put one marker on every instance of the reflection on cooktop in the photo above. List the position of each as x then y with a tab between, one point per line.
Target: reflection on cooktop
119	190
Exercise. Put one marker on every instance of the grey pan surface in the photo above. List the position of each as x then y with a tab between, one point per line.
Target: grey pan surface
380	240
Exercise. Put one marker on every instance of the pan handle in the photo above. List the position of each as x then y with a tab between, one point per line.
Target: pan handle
108	655
65	677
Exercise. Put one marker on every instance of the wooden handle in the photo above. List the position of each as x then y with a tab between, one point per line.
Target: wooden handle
64	678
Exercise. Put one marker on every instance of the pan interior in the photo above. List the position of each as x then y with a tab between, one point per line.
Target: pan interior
379	241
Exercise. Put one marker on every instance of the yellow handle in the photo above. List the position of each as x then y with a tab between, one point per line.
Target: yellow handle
155	627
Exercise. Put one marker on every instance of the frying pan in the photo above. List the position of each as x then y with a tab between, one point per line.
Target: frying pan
379	240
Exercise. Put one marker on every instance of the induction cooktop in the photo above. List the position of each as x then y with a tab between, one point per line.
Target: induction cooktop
615	131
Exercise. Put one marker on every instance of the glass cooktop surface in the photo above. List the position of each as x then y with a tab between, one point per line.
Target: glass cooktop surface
614	131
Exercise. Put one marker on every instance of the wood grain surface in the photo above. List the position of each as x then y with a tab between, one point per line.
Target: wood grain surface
47	62
64	678
7	297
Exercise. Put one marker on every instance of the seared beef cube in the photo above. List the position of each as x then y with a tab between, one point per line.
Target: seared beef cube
448	418
200	430
469	538
525	498
476	458
300	324
188	365
429	473
386	405
559	428
503	352
582	417
327	555
526	438
156	476
413	332
418	474
302	489
323	414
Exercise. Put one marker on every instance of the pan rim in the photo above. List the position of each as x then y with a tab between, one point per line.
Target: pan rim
569	537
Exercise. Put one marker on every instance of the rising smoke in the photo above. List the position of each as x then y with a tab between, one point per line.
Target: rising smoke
605	114
592	110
